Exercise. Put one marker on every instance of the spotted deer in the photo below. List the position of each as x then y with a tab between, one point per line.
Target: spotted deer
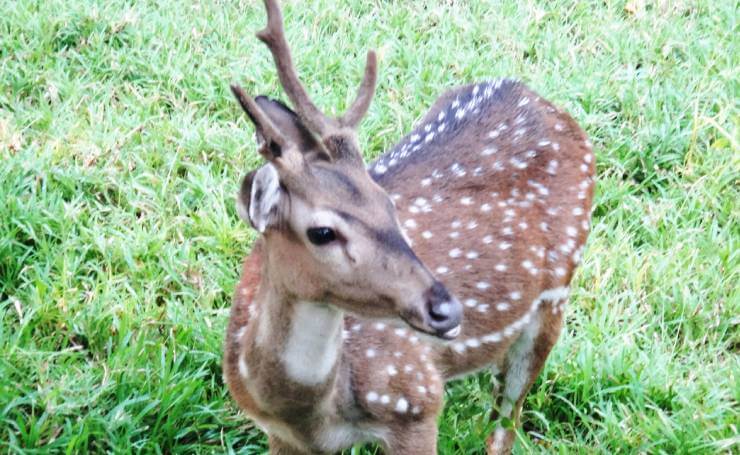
370	287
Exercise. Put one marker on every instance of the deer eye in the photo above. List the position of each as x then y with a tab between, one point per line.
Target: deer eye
321	235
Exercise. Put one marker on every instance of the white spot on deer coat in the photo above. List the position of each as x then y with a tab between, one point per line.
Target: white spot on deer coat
402	405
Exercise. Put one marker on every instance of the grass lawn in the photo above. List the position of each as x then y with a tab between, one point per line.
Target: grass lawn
121	148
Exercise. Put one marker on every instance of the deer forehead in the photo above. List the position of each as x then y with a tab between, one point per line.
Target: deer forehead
327	194
329	211
349	184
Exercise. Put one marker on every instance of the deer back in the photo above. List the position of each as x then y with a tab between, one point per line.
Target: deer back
493	188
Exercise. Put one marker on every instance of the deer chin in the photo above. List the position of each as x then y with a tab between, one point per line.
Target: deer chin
416	321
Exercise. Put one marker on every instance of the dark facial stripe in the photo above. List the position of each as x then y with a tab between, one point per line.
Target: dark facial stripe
342	181
390	240
393	241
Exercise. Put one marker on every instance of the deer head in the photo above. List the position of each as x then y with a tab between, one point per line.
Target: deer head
331	234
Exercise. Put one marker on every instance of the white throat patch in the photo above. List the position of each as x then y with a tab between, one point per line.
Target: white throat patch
313	344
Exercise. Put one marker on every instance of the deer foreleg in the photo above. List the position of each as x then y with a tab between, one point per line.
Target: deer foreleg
523	364
419	439
278	447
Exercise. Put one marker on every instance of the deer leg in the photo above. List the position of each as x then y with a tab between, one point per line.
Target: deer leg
278	447
524	362
418	439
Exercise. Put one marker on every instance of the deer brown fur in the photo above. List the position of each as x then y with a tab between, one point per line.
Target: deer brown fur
370	288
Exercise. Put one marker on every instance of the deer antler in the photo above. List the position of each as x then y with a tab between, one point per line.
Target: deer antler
274	37
364	94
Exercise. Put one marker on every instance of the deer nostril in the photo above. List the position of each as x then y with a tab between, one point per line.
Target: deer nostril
444	318
443	310
439	312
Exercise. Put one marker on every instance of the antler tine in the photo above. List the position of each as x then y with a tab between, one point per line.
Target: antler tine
274	37
269	130
364	94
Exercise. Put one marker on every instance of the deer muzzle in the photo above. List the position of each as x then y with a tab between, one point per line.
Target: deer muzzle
442	312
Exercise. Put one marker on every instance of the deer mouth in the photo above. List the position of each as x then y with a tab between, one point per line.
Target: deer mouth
448	335
447	331
452	333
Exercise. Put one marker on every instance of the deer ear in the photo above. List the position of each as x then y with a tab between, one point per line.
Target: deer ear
288	123
259	198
